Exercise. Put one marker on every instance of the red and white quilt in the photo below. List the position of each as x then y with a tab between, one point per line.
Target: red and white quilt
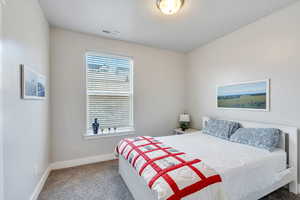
172	174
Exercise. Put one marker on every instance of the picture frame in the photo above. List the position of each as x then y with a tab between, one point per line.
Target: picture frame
250	95
33	84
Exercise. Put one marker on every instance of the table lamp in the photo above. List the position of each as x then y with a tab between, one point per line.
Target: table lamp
184	121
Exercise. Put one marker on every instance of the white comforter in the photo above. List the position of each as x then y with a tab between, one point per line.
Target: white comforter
244	169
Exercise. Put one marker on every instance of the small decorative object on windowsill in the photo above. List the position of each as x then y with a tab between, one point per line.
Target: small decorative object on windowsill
184	121
96	126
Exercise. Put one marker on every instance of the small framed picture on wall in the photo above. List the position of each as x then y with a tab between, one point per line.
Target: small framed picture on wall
33	84
251	95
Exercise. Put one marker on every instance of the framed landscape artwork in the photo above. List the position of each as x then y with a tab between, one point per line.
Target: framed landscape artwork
253	95
33	84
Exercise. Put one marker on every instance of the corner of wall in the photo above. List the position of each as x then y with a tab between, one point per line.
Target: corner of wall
1	115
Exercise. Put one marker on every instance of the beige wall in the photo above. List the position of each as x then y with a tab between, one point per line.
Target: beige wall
26	122
268	48
158	92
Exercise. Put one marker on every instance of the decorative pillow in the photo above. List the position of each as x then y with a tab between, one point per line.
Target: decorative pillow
265	138
220	128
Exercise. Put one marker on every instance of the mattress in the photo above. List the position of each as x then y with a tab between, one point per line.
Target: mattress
244	169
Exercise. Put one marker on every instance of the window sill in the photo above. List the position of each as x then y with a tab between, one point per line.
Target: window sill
119	133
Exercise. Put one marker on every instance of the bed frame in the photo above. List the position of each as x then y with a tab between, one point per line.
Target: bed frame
289	142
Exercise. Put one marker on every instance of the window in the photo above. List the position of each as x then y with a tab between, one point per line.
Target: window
109	93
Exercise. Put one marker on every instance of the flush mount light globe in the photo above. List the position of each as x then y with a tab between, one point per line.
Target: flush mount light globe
169	7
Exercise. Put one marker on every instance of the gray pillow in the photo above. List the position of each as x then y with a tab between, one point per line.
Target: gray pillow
220	128
265	138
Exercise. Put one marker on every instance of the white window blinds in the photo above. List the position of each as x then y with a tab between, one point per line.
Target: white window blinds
109	91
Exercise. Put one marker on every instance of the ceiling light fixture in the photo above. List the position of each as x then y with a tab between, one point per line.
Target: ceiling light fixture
169	7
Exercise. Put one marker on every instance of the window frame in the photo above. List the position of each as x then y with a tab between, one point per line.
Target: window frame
121	132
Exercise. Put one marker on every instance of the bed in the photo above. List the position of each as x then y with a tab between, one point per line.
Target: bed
248	173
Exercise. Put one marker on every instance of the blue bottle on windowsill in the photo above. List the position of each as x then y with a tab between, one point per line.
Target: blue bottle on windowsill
96	126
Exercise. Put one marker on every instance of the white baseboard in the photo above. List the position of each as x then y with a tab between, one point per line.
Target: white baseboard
40	184
67	164
82	161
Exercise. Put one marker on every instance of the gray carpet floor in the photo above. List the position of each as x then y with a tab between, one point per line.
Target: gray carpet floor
101	181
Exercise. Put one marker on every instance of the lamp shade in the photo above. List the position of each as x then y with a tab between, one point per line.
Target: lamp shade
184	118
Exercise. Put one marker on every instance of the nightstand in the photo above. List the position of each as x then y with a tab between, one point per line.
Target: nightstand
178	131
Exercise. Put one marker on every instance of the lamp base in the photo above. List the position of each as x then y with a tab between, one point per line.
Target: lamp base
184	126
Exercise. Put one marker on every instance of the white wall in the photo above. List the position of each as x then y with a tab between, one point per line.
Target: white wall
1	111
158	92
268	48
26	122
